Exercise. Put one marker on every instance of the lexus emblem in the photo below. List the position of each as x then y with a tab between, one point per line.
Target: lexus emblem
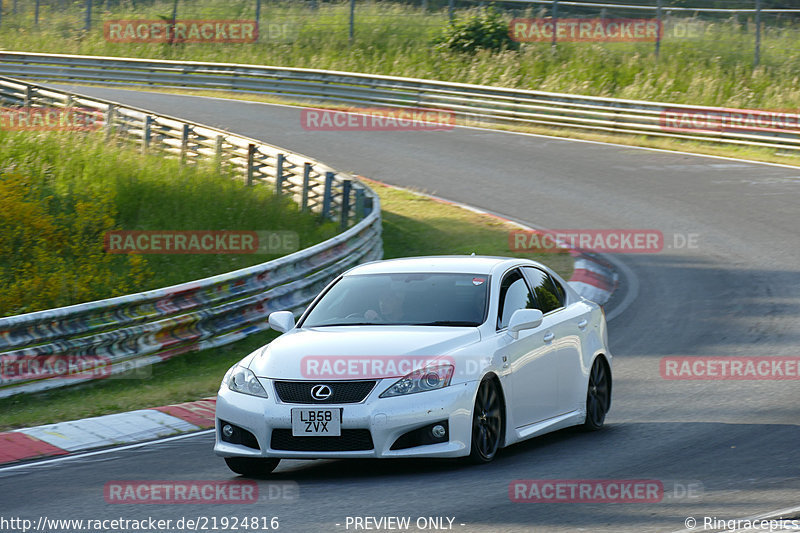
321	392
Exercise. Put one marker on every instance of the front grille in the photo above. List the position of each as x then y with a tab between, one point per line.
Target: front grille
350	441
342	391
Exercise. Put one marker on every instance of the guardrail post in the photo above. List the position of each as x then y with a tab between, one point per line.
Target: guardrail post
359	203
147	134
327	196
109	121
28	98
306	179
346	186
279	175
218	153
251	156
184	142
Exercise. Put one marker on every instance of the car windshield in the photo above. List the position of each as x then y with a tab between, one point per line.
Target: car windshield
424	299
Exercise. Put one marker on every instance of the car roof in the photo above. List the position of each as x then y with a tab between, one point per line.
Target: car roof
467	264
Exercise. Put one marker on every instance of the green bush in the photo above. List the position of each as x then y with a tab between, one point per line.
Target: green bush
485	29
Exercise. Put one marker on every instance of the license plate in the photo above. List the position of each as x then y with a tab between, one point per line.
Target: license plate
316	422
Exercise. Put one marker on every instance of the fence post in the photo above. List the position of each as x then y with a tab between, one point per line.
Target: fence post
279	175
109	122
757	57
346	186
327	196
251	156
352	19
258	20
36	13
555	22
306	180
1	10
660	27
184	142
147	135
88	25
359	203
218	153
450	8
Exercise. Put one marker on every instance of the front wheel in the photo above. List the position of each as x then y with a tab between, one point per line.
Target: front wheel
597	396
487	423
252	466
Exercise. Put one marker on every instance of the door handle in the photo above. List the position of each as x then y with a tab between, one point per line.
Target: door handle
583	323
548	336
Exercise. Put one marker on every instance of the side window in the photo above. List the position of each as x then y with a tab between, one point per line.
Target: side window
514	294
549	296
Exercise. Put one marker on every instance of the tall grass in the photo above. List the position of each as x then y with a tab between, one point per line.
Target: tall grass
713	67
60	194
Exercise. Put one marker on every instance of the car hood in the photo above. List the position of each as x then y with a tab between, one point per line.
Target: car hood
324	353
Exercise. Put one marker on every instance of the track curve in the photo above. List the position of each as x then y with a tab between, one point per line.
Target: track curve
737	293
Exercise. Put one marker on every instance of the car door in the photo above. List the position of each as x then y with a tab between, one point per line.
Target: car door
530	357
568	321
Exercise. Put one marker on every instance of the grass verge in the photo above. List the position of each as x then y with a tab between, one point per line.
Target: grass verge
61	194
412	225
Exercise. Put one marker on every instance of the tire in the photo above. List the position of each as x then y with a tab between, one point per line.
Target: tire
487	423
252	466
598	396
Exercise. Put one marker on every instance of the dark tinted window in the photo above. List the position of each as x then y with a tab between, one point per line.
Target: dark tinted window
549	295
514	294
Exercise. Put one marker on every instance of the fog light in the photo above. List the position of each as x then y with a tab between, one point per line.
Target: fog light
227	430
438	431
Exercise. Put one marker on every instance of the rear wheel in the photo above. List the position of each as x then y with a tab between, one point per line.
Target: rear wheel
598	396
487	423
252	466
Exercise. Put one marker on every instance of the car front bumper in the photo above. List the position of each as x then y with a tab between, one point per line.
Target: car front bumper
386	419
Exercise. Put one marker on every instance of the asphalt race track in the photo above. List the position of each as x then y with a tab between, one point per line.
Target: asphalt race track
736	293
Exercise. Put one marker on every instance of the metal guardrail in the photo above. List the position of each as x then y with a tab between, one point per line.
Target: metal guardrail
474	103
130	332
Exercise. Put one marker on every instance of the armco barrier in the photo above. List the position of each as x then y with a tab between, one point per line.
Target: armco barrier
482	104
133	331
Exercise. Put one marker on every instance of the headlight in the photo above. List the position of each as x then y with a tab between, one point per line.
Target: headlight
425	379
241	379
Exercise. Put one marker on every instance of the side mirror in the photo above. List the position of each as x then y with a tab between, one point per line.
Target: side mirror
281	321
524	319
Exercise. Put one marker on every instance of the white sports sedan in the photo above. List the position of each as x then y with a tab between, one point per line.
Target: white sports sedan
453	356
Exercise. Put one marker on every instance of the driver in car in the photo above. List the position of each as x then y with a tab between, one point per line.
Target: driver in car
390	306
